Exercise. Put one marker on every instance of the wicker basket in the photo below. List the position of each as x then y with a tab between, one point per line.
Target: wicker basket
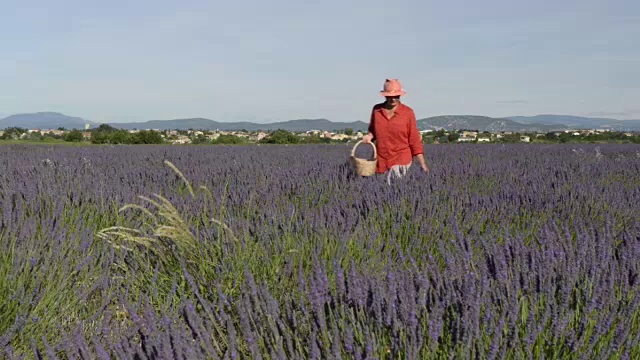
364	167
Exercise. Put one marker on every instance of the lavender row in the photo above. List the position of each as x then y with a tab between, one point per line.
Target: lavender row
488	300
261	187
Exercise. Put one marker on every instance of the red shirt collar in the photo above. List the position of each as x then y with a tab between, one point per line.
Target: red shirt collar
400	109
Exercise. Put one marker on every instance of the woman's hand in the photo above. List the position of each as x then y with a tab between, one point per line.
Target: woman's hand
423	163
367	138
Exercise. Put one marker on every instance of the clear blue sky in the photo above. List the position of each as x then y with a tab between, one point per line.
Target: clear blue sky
271	60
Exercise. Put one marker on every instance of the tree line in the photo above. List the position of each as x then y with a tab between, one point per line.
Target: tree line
106	134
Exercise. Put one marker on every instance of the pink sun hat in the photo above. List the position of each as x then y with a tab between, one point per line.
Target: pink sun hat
392	87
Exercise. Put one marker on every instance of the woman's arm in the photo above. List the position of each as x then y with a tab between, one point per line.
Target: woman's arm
415	143
371	136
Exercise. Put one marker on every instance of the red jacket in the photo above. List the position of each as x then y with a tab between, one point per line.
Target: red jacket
397	139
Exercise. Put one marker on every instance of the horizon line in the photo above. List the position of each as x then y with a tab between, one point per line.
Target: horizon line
301	119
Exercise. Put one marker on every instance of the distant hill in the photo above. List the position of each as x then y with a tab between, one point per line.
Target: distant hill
579	122
44	120
207	124
539	123
53	120
482	123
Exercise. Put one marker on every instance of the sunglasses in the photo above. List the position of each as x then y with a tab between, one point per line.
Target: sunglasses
393	97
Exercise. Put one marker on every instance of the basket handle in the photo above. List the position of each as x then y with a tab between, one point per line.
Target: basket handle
353	151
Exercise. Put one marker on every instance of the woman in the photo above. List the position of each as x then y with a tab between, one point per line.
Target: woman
394	129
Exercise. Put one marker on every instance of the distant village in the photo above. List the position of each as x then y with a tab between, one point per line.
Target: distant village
192	136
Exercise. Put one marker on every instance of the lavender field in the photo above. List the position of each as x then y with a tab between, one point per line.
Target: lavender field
513	251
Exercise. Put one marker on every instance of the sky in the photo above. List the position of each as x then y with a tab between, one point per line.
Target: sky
275	60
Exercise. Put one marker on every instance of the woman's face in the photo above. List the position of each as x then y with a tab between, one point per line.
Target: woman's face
393	100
